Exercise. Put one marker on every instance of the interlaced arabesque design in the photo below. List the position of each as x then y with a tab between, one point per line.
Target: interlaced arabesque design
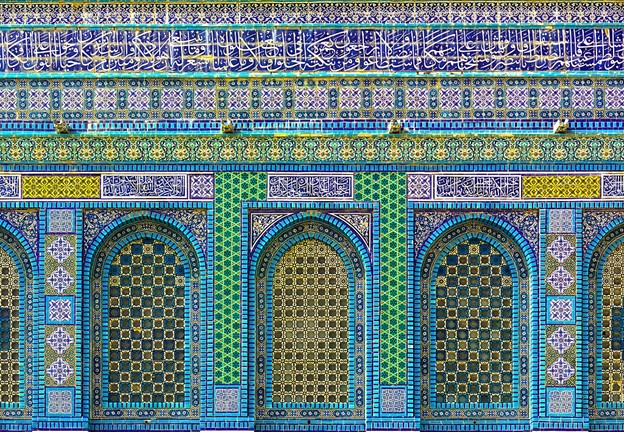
613	326
310	325
9	329
146	324
474	319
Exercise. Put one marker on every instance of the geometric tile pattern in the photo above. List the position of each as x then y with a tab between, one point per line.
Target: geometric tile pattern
389	189
561	221
310	333
413	99
393	400
560	309
613	326
562	186
560	401
60	401
560	371
60	340
9	329
560	279
560	263
561	340
60	220
60	279
60	311
59	187
560	274
146	324
474	322
560	249
59	371
226	399
60	249
231	189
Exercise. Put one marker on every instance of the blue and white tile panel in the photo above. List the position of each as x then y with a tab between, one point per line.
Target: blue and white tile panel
190	186
310	187
319	49
498	187
335	12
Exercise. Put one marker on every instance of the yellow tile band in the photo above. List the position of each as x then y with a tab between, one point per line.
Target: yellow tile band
561	186
61	186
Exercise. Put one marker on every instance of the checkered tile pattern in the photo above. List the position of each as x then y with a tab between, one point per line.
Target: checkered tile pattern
146	322
474	320
310	325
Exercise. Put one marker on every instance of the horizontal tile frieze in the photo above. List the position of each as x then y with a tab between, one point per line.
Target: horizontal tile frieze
515	186
317	12
311	50
270	149
289	103
107	186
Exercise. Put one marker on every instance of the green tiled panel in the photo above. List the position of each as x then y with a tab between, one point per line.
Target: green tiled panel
231	189
389	190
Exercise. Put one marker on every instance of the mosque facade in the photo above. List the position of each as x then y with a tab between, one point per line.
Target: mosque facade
329	215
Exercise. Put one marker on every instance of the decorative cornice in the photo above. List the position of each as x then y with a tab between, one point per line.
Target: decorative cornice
312	12
323	149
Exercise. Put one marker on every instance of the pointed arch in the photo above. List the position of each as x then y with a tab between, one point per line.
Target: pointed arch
471	266
146	277
603	281
300	237
18	276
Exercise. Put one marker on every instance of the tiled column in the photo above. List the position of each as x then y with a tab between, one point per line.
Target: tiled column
560	380
61	333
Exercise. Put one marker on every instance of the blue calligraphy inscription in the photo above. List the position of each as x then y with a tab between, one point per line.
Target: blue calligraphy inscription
335	50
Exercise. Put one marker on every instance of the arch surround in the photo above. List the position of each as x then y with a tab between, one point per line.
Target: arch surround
605	400
128	230
288	232
517	253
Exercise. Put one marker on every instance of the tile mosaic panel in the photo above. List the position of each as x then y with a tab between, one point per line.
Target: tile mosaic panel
102	102
231	189
474	321
393	400
389	189
146	324
227	399
562	221
310	307
561	186
183	12
316	148
61	221
560	331
310	187
60	186
325	49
